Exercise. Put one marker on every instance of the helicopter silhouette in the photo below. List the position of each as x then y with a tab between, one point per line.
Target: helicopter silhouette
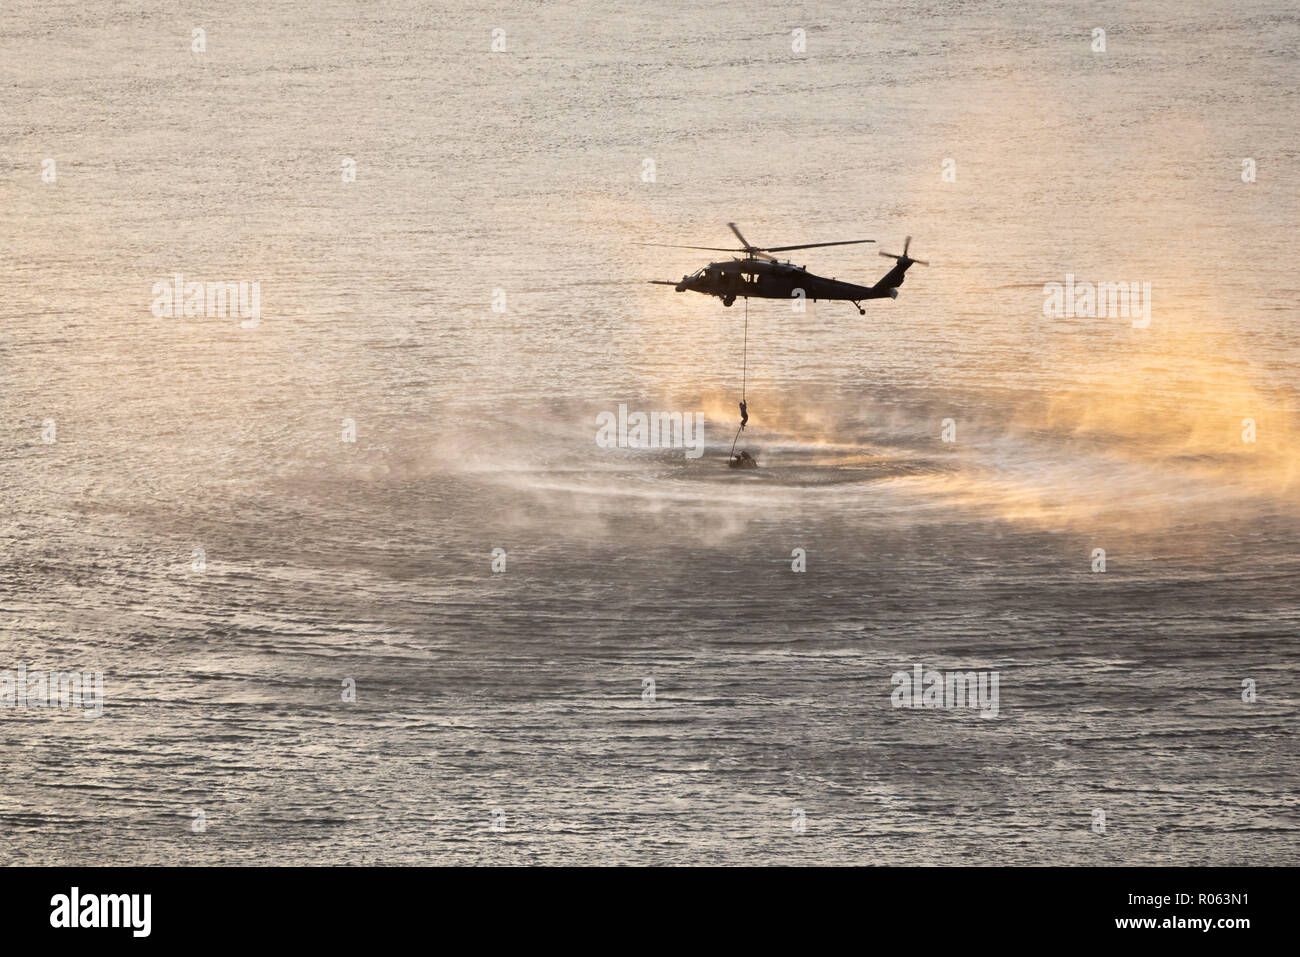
760	275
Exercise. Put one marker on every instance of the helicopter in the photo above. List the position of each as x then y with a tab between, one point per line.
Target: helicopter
759	275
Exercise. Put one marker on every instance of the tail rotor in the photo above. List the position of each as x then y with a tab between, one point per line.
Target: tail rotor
905	260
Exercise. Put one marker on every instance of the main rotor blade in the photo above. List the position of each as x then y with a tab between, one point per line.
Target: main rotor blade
716	249
745	242
844	242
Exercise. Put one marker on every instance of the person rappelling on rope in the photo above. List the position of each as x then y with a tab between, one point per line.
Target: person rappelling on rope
742	459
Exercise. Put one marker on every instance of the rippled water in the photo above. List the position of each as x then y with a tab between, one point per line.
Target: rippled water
522	691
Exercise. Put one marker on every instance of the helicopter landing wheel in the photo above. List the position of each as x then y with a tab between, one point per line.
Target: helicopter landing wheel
728	300
861	311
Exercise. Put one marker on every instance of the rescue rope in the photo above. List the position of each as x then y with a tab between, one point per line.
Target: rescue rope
744	377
